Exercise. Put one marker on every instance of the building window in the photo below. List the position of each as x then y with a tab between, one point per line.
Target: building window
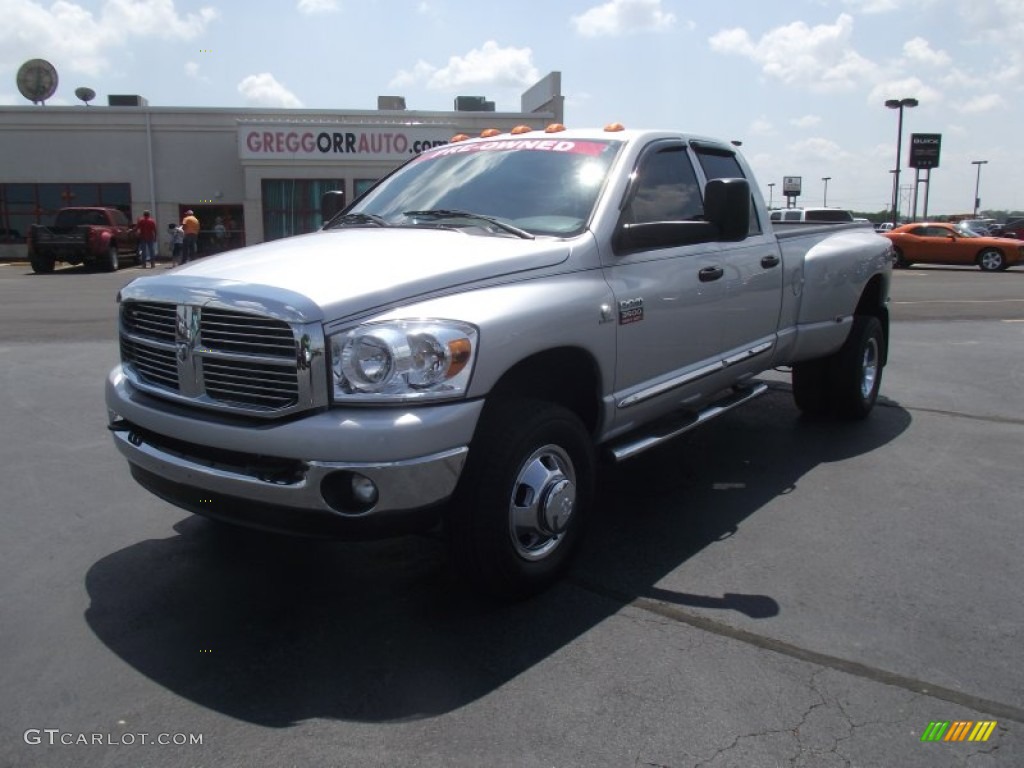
22	205
292	206
363	186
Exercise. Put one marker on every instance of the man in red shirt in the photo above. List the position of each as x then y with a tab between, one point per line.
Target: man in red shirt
146	227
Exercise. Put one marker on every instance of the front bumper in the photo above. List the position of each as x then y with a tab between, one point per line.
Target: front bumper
295	475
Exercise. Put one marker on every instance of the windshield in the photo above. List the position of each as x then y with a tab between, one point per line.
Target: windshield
540	186
963	229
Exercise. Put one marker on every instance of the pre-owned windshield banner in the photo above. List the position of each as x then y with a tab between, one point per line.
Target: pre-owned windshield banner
593	148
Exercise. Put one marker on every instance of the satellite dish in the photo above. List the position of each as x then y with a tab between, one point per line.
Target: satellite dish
37	80
85	94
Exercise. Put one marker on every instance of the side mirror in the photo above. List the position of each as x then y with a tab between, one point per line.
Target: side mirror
727	206
331	204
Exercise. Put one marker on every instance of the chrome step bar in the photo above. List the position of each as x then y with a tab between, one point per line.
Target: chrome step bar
662	431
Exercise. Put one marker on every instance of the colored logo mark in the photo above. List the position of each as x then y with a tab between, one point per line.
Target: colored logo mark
958	730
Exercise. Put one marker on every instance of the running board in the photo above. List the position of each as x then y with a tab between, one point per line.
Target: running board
673	426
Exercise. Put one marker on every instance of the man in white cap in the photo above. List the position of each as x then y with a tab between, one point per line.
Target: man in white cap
191	226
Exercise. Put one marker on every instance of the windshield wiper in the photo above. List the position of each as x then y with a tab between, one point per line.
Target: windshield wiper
445	213
359	218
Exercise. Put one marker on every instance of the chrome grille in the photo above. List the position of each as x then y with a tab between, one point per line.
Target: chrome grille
221	358
153	364
227	331
149	319
256	384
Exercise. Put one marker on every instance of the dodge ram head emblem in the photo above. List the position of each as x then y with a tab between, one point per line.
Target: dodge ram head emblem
186	331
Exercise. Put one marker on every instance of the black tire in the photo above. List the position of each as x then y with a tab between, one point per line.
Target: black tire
110	264
810	387
899	260
856	369
523	499
845	384
991	260
42	265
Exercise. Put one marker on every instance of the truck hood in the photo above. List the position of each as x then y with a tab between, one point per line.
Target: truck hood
354	270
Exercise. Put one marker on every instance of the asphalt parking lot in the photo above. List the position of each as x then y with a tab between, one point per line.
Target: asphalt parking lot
769	591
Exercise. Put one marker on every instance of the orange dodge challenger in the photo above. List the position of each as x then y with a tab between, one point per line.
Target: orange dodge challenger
939	243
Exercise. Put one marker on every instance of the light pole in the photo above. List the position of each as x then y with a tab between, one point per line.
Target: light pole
824	197
898	104
771	193
977	185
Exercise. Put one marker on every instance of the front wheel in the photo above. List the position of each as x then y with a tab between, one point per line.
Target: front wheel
991	260
899	260
846	383
520	508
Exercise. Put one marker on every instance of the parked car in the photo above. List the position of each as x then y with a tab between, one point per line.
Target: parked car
1014	228
885	226
941	243
99	237
462	342
818	215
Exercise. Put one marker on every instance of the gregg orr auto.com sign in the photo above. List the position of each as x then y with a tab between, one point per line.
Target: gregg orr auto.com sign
299	142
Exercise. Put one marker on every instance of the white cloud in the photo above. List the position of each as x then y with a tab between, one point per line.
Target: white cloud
984	103
818	149
263	90
74	37
489	65
919	50
820	58
910	87
619	17
761	127
806	121
310	7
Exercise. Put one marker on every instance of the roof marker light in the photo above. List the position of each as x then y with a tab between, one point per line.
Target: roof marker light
486	133
520	129
459	137
613	127
554	128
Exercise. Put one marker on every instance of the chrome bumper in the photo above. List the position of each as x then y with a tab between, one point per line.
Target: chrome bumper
403	485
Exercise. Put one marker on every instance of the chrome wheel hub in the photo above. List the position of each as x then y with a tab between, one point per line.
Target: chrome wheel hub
869	368
542	503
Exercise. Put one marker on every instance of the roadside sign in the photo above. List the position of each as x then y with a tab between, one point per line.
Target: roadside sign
791	186
924	150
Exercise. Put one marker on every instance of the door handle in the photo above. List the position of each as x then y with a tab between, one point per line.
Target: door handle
770	261
710	274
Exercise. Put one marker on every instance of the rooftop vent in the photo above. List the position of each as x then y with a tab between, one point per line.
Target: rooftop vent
473	104
114	100
391	102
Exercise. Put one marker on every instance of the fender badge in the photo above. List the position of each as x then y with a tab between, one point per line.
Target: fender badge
631	311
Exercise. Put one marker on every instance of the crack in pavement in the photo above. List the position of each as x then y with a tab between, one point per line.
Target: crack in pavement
999	709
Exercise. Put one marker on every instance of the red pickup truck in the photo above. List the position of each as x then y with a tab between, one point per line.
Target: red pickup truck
98	237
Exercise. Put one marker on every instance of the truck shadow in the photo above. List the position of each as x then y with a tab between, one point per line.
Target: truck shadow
274	631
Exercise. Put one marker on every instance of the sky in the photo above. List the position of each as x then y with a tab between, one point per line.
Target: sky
802	84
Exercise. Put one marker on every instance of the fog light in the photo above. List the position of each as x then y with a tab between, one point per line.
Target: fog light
349	493
364	491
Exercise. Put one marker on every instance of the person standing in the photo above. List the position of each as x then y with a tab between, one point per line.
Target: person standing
146	228
190	225
177	237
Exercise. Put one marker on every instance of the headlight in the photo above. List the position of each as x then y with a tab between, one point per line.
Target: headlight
403	360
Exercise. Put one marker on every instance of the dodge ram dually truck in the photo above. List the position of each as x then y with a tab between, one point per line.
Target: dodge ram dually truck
464	342
98	237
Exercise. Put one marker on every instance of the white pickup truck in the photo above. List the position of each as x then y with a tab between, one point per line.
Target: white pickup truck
466	341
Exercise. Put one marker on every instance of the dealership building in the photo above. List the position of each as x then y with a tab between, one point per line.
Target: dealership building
260	172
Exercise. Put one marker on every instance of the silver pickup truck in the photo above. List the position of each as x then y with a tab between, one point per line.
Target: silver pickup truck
465	342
